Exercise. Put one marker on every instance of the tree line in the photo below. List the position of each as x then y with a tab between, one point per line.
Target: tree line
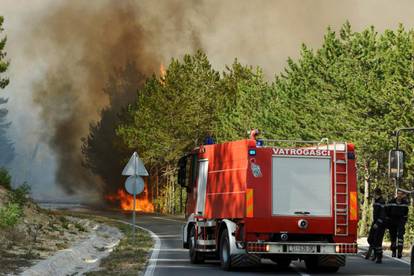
356	87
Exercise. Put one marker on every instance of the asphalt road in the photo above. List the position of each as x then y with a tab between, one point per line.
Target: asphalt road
173	260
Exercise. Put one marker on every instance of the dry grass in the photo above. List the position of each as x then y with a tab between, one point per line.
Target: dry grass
38	235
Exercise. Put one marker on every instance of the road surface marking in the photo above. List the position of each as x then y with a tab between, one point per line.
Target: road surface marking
172	249
169	236
184	266
175	220
172	260
152	262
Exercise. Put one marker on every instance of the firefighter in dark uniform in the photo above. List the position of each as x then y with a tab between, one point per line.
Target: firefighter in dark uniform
397	212
377	229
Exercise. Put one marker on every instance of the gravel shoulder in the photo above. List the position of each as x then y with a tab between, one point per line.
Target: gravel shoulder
82	257
130	256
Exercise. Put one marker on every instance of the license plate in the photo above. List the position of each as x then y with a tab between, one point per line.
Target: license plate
301	248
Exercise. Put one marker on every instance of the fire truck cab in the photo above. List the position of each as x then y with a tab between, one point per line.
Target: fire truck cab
281	200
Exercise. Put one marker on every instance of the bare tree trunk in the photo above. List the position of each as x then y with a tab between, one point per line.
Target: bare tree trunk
181	199
157	188
173	194
365	208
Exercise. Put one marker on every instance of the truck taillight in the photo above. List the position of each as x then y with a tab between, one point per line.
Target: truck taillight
346	248
257	247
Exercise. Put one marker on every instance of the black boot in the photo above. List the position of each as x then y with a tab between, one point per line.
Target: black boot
378	253
394	249
369	252
400	249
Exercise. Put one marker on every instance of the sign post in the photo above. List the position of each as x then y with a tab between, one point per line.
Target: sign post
134	183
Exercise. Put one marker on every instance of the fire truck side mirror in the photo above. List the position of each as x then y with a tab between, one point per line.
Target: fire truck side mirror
396	164
182	174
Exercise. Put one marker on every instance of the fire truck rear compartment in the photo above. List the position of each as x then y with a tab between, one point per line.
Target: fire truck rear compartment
301	186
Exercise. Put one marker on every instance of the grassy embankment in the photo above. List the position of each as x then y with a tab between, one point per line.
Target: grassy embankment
29	233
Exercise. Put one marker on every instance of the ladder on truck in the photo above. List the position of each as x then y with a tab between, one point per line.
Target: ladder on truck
341	191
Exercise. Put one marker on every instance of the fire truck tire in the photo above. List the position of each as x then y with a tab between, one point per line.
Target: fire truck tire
312	264
225	257
196	257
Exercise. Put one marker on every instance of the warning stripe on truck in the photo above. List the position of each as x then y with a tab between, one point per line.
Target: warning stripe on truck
353	200
249	203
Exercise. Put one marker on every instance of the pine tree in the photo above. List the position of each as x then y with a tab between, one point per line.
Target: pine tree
6	146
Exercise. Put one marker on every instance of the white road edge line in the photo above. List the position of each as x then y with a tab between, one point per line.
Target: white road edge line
175	220
152	261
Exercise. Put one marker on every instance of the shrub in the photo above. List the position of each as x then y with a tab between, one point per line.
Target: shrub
10	215
5	179
20	194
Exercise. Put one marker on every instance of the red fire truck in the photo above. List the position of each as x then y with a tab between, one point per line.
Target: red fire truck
275	199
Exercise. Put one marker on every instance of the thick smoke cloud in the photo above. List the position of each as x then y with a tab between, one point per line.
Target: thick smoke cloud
64	52
87	43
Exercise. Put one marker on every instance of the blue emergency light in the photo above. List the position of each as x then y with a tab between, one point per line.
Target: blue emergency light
252	152
259	142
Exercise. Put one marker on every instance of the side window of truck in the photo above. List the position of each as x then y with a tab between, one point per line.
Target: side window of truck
193	170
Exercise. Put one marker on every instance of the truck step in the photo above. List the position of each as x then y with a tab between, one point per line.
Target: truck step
206	242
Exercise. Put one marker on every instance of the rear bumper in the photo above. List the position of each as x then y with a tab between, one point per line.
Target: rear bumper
302	248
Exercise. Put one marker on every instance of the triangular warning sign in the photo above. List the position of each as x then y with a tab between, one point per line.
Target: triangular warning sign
135	166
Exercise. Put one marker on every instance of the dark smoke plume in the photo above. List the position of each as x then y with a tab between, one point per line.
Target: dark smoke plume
103	150
87	43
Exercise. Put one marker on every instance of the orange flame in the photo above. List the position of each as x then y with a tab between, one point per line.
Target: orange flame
163	72
126	201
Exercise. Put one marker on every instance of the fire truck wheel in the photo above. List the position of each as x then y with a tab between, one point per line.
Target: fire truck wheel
225	257
312	263
195	256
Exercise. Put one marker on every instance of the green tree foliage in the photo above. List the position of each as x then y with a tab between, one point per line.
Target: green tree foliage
174	113
3	63
357	87
5	179
6	146
20	195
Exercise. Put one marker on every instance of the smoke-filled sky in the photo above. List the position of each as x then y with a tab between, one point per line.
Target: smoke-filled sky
63	52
